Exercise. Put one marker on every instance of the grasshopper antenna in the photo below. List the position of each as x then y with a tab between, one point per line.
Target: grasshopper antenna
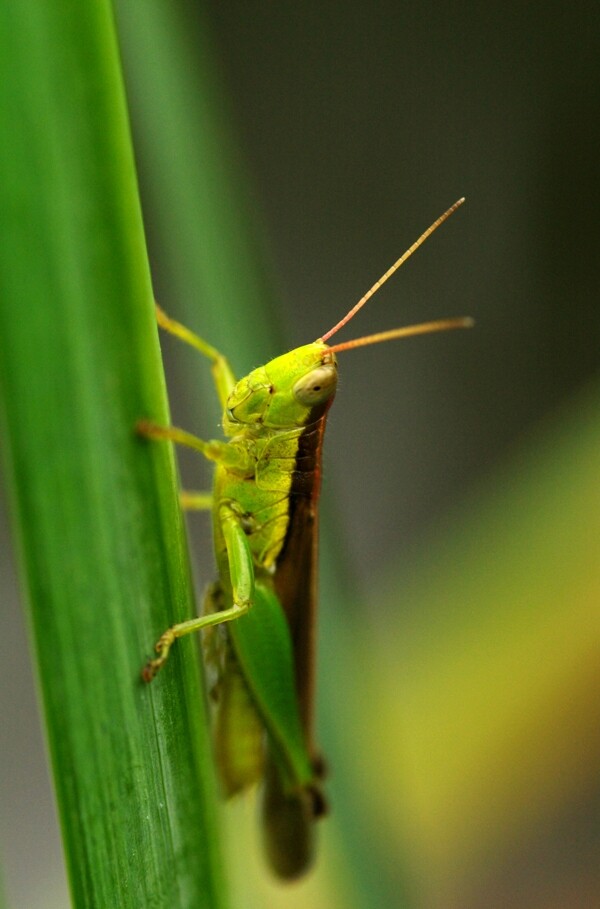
386	336
407	331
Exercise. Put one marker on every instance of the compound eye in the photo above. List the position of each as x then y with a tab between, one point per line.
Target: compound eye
317	386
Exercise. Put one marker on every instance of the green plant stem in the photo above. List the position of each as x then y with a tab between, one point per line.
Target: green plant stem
101	542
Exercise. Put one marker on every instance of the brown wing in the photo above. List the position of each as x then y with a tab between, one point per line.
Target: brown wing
288	818
296	574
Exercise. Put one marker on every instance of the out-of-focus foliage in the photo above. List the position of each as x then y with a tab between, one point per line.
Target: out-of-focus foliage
478	712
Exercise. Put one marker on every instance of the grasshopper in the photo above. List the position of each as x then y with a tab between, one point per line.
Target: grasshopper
261	614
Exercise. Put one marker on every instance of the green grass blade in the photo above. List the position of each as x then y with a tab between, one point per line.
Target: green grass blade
100	537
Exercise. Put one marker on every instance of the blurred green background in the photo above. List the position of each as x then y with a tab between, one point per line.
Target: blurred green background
461	584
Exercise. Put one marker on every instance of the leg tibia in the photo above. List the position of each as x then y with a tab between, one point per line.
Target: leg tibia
195	501
213	450
168	638
237	456
241	572
223	377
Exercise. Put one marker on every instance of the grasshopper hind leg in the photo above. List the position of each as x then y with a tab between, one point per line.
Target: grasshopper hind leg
168	637
239	555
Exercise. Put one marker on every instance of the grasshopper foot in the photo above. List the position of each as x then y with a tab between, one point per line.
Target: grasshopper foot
163	645
149	430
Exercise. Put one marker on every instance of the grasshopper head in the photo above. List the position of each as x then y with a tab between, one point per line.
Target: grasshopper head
289	391
297	388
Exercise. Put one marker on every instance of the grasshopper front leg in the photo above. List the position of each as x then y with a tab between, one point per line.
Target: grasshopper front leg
242	582
230	455
222	374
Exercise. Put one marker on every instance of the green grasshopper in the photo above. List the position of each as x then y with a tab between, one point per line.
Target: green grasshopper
260	616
